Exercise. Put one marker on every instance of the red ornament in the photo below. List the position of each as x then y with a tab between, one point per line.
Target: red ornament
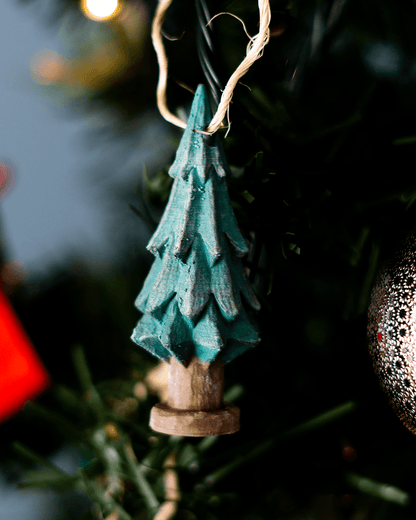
22	375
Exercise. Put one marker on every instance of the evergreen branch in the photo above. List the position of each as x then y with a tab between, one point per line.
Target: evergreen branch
138	477
153	188
110	458
155	459
84	375
386	492
85	380
49	479
230	396
140	430
147	219
317	422
53	476
320	420
70	399
98	495
404	140
368	281
36	458
60	422
221	473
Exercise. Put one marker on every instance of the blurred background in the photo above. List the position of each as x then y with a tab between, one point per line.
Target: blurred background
321	150
73	168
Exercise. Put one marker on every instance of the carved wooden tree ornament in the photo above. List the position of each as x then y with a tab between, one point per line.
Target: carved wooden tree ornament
197	301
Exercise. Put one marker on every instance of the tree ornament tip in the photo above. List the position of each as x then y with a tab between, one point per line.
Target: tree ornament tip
201	113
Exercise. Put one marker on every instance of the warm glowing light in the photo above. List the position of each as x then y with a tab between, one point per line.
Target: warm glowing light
100	10
48	67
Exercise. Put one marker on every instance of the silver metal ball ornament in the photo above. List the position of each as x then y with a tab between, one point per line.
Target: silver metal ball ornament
391	331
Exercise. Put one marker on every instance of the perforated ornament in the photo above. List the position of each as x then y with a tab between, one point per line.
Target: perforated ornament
392	331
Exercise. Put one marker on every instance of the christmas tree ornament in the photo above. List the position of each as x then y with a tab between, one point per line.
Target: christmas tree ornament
23	377
197	302
392	331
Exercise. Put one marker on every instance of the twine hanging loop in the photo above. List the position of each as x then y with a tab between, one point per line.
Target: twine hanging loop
254	52
162	59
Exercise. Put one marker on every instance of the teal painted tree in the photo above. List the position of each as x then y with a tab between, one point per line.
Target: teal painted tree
196	299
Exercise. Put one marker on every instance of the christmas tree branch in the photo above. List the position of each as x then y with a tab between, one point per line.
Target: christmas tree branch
52	477
230	396
101	497
155	459
36	458
85	380
60	422
386	492
138	477
317	422
138	429
69	399
110	458
320	420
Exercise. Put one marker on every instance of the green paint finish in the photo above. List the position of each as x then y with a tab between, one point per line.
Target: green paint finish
197	298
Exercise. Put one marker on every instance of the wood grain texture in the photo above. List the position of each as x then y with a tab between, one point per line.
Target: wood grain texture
198	386
195	406
225	420
196	299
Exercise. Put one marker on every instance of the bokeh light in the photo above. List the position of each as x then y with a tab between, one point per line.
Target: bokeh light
100	10
7	177
49	67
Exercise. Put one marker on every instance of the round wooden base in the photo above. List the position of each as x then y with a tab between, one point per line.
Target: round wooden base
191	423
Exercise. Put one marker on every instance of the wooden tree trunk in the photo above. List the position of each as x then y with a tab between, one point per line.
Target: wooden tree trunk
195	406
